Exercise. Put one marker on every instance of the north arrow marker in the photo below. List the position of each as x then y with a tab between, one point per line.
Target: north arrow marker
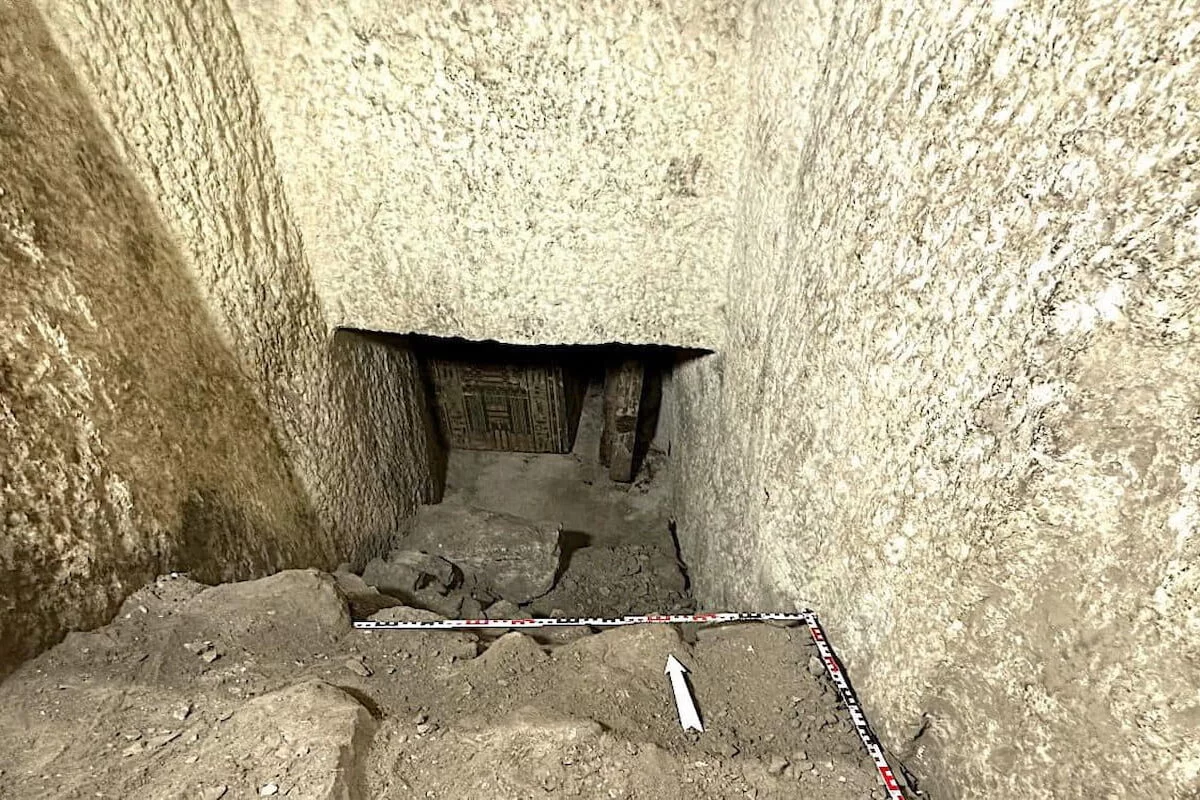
688	717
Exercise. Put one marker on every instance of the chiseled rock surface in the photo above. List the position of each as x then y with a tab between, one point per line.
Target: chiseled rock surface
172	90
172	398
474	150
130	441
956	413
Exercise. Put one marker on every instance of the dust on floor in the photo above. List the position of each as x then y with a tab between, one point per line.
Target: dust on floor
619	555
263	688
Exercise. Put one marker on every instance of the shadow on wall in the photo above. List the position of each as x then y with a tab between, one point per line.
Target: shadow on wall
130	443
407	390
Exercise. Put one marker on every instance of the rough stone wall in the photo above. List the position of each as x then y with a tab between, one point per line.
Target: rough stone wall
957	412
130	442
540	172
170	83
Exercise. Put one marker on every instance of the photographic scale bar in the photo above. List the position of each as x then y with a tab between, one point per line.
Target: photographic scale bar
832	665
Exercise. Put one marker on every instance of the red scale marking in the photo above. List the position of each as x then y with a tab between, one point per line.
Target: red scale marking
814	628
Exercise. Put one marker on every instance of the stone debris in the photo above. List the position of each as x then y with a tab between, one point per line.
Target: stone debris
364	599
350	583
406	573
503	609
357	666
592	718
416	579
434	572
287	610
162	739
510	557
471	608
610	581
405	614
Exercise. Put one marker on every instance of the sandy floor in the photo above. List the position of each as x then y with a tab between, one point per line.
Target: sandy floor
619	552
263	689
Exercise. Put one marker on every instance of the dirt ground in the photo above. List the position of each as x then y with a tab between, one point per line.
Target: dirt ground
263	689
617	532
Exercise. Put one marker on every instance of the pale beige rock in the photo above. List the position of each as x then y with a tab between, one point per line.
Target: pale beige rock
172	396
405	614
503	609
545	171
216	192
290	609
131	442
329	727
510	557
956	413
406	571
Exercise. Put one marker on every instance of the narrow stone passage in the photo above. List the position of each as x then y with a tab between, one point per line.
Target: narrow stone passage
911	289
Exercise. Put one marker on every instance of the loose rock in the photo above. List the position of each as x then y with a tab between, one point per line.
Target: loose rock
358	667
436	572
471	609
514	558
407	572
281	614
405	614
503	609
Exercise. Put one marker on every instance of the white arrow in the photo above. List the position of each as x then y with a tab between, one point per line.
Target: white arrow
688	718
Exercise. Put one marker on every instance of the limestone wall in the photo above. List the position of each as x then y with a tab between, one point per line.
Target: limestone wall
130	443
537	172
171	86
956	412
949	253
170	395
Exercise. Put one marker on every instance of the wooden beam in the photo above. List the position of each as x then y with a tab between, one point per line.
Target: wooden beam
622	404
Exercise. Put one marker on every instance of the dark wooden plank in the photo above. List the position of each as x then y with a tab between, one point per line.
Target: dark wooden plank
622	401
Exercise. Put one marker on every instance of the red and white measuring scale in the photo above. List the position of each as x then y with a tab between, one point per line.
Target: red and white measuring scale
832	665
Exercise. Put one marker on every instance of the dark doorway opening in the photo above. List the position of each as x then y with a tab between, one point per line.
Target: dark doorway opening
557	483
530	398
